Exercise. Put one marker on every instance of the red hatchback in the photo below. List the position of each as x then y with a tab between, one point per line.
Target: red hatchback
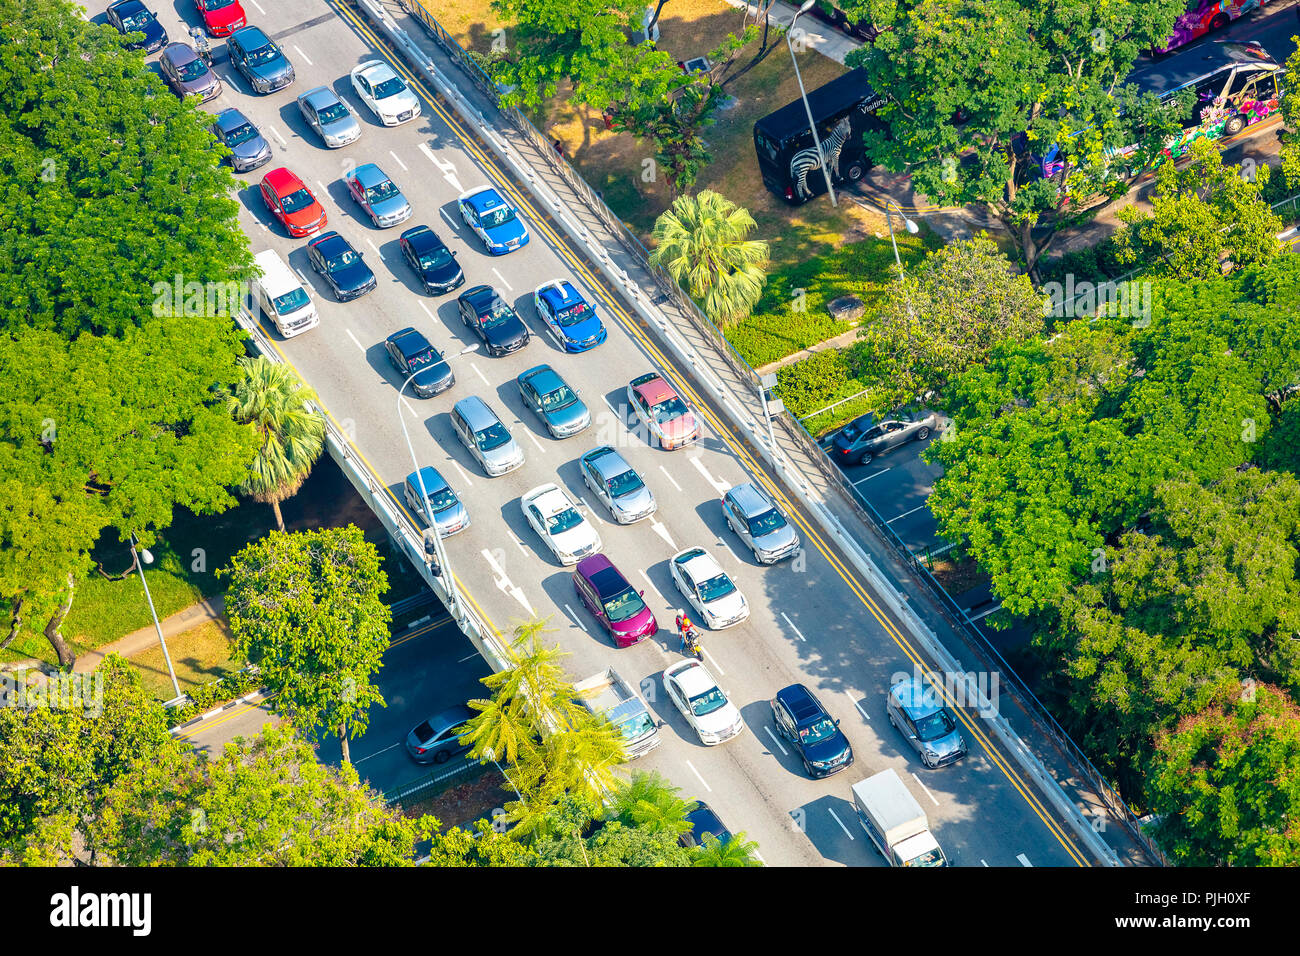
221	16
617	605
292	203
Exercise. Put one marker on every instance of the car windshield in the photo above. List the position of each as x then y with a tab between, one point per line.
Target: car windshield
291	301
822	729
497	217
936	725
263	55
385	190
494	436
214	5
573	314
624	484
298	199
767	522
335	111
715	587
389	87
669	409
624	605
421	359
853	429
438	257
341	261
442	499
558	398
241	134
500	314
192	70
564	521
634	727
930	858
137	21
708	702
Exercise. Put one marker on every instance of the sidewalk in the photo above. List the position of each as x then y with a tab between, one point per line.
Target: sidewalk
822	37
212	609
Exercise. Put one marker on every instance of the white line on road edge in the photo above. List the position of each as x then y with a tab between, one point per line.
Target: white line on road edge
397	159
670	477
468	656
503	279
698	777
996	607
354	339
1024	860
298	50
375	247
776	740
480	374
451	222
276	133
904	514
840	822
464	477
869	477
923	787
529	433
575	619
796	630
426	310
865	715
377	753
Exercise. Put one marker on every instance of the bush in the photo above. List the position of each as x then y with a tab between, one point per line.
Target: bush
207	696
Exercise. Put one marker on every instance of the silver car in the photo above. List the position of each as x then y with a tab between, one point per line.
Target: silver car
329	116
617	485
248	147
485	436
917	712
760	524
866	437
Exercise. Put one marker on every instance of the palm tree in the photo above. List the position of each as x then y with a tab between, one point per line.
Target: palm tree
735	852
270	397
701	243
649	800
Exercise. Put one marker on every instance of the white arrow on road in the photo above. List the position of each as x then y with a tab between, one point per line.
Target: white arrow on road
444	166
660	530
720	486
503	583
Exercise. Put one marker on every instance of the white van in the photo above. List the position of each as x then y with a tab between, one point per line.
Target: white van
280	294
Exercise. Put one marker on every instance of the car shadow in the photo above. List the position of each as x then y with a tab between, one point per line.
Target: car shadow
526	536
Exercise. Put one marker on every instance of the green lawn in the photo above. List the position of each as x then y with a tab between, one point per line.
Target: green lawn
200	655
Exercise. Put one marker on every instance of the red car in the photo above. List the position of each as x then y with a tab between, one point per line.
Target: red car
617	605
292	203
221	16
662	412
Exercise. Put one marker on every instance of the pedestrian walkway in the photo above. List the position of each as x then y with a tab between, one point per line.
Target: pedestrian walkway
211	609
822	37
836	342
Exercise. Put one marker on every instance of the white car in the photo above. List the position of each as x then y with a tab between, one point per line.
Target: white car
708	588
702	702
385	93
558	522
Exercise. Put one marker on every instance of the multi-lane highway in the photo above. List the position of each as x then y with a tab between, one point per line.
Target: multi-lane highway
812	621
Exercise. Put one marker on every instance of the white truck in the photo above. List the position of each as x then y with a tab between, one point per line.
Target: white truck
608	695
895	822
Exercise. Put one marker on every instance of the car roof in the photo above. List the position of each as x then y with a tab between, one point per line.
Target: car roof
321	96
559	298
750	500
699	564
282	178
916	700
450	717
369	175
180	53
543	378
231	119
251	31
801	703
409	341
484	200
376	71
476	412
328	243
694	678
422	238
128	6
591	565
655	391
705	820
607	461
432	479
550	499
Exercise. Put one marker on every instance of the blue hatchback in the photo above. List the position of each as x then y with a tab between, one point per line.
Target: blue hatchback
493	220
568	317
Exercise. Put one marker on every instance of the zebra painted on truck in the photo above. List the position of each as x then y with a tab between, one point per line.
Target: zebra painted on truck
806	160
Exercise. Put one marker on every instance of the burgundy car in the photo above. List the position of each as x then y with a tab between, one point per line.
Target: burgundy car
616	604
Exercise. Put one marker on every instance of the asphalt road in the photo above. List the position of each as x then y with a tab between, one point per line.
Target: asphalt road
810	621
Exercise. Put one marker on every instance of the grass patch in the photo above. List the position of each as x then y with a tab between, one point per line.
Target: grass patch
200	655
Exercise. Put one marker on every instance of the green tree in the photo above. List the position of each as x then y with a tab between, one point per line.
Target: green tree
734	852
273	399
649	800
577	831
701	242
1289	103
1202	214
307	608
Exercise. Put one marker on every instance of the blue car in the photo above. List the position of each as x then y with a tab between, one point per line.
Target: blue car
132	16
378	196
493	220
448	513
340	265
572	322
554	402
262	63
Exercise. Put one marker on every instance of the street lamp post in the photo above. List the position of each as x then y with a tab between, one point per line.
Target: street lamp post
148	559
803	94
890	206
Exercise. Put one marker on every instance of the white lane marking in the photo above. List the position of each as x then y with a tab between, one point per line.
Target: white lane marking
265	228
660	530
652	585
1024	860
840	822
869	477
445	167
451	222
480	374
378	752
375	247
323	189
504	584
716	666
520	545
923	787
503	279
982	863
354	340
468	657
398	159
575	619
464	477
591	510
426	310
610	406
698	777
414	413
996	607
276	133
865	715
720	486
535	441
299	271
298	50
905	514
759	858
776	740
259	8
670	478
796	630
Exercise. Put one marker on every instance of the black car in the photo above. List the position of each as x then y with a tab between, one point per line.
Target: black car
703	821
432	261
132	16
484	311
814	733
415	359
342	266
436	739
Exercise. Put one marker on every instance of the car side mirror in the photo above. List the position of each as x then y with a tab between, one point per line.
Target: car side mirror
642	593
837	723
454	253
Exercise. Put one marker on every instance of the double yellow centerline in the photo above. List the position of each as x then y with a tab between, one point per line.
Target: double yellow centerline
543	223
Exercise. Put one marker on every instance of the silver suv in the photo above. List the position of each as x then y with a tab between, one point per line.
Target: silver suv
760	524
617	485
930	729
485	436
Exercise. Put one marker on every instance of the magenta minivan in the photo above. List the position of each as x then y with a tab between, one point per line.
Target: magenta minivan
617	605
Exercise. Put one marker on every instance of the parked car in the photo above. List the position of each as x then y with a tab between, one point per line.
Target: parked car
262	63
704	822
570	320
708	588
385	93
815	735
702	702
248	147
329	116
553	401
617	485
615	603
289	200
186	73
132	16
414	358
433	262
917	712
668	418
492	319
760	524
436	740
378	196
558	522
341	266
866	437
493	220
220	17
485	436
449	512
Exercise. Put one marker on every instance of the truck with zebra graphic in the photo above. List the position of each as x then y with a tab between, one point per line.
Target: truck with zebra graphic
788	158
